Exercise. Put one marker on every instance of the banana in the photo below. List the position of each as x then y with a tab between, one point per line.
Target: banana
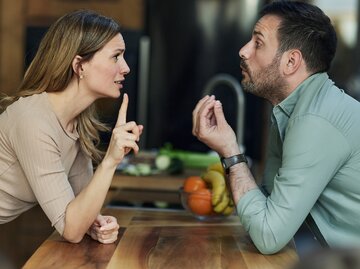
217	182
228	210
216	167
224	202
221	200
224	205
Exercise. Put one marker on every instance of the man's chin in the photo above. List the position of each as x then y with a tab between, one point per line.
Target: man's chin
247	86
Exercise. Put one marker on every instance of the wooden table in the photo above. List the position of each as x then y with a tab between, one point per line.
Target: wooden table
162	240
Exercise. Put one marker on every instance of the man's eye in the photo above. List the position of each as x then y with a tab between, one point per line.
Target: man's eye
257	44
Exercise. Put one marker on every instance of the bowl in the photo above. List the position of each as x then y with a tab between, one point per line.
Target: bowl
199	204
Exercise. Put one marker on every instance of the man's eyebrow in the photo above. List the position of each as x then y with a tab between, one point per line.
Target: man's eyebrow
258	33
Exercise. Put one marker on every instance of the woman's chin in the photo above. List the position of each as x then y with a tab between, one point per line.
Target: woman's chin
114	95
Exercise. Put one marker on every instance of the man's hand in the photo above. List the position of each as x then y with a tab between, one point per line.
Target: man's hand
211	127
104	229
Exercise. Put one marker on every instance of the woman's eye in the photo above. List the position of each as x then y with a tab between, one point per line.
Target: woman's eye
116	57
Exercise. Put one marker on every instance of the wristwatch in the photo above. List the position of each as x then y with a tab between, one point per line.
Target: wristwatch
230	161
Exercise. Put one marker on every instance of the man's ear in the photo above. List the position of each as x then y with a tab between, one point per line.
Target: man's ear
293	61
77	65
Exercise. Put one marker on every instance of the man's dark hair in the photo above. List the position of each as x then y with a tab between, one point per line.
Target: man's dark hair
307	28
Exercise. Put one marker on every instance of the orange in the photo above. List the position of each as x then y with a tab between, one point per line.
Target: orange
199	202
194	183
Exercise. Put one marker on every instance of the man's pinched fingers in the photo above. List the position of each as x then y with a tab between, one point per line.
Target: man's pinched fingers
199	104
196	113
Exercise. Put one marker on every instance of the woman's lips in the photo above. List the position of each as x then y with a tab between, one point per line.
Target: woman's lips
119	83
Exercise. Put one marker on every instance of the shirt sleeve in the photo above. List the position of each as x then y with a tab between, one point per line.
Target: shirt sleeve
313	151
37	149
80	173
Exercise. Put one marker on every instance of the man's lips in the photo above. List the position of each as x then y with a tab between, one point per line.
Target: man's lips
243	67
243	70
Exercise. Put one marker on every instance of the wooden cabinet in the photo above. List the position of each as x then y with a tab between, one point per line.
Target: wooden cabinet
129	13
15	16
12	28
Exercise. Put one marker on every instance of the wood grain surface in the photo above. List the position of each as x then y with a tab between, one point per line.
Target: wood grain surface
163	239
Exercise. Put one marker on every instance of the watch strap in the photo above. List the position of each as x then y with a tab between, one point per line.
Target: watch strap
230	161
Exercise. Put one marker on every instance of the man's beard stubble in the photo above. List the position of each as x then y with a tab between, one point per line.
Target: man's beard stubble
266	83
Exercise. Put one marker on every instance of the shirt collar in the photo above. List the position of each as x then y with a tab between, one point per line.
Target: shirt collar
282	111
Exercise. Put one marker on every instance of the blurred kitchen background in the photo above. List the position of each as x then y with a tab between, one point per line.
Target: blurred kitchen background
177	50
174	48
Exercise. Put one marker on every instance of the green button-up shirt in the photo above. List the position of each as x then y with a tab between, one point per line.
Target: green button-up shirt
313	165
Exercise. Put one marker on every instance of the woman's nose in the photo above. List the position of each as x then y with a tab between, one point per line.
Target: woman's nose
125	68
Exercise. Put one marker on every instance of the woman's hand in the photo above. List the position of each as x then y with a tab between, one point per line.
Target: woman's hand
211	127
104	229
124	137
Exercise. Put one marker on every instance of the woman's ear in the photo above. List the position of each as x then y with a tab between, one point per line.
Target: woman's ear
293	60
77	66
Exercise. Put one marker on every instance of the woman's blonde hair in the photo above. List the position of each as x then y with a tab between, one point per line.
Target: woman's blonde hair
80	33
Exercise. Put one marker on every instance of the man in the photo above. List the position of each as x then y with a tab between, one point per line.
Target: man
313	162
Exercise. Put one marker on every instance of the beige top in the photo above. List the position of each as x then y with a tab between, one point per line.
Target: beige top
40	163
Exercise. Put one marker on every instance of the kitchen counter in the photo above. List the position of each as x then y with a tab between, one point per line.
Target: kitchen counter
162	239
156	187
157	182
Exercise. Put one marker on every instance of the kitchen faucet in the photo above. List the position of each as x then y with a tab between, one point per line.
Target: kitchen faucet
234	85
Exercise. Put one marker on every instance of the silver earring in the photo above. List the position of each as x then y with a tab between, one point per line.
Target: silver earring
81	76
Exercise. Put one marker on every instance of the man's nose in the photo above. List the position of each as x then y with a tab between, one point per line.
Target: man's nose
244	52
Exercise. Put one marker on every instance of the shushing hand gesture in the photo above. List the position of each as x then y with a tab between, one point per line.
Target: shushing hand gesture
125	136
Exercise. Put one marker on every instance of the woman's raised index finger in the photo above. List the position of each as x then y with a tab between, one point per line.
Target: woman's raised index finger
122	111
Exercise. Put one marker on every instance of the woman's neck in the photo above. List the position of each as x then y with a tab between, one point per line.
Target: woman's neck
68	104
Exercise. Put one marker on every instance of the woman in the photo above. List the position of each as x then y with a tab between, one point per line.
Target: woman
49	130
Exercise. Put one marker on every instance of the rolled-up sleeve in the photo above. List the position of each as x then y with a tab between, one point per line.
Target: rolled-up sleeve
313	151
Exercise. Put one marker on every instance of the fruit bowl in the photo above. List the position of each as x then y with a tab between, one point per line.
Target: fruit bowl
199	204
